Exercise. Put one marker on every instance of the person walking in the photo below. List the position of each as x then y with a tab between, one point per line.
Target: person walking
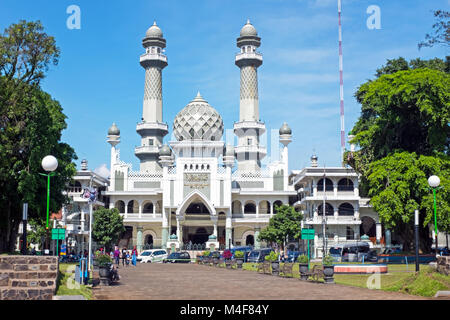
134	254
124	256
116	255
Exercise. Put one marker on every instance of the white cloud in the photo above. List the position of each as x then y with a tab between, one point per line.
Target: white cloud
102	171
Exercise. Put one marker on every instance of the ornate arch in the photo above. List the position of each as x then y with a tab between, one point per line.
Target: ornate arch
195	196
248	233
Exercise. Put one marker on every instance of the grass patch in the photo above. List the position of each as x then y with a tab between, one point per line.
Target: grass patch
401	278
67	286
426	283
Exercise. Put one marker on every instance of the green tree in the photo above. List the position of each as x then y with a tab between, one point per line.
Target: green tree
286	223
404	115
400	64
398	185
31	123
441	34
107	227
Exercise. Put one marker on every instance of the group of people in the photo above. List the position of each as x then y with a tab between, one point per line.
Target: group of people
125	255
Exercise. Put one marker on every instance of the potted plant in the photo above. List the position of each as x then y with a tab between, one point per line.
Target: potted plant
227	256
104	262
328	269
303	266
239	255
206	256
272	257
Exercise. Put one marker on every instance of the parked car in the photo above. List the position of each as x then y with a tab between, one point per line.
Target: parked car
351	252
444	251
178	257
293	255
154	255
245	249
258	255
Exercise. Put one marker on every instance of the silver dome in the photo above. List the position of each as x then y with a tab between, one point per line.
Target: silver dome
248	30
113	130
165	151
154	31
198	120
285	129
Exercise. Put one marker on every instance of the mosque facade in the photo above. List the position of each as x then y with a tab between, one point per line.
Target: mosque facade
197	191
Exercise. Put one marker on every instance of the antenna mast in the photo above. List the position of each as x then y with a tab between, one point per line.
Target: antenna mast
341	82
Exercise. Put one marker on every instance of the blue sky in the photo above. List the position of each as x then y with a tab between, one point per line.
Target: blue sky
99	79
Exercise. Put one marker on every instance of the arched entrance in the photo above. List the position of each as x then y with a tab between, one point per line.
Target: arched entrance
250	240
148	241
200	236
368	227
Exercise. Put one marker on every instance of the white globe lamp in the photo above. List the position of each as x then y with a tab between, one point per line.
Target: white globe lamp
49	163
434	181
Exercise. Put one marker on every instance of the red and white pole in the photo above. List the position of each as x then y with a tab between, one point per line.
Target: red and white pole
341	83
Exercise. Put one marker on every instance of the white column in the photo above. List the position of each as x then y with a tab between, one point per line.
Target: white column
336	212
335	189
126	209
140	209
178	230
314	188
257	210
356	187
154	210
271	209
379	233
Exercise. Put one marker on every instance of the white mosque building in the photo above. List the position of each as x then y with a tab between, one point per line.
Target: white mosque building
198	191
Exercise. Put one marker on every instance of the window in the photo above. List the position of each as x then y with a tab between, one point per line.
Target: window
328	185
249	141
150	142
345	185
346	209
329	211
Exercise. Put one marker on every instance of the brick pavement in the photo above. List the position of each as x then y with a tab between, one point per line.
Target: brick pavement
198	282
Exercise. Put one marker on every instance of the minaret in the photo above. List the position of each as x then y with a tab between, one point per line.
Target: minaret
249	128
113	140
152	129
285	138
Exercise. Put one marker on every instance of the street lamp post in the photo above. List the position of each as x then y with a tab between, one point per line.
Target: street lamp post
416	233
434	182
49	164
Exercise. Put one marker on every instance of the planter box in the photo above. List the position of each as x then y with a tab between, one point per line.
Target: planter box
239	263
328	272
303	269
275	268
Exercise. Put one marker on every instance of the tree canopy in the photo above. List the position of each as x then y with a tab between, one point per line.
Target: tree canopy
441	34
107	227
31	123
286	223
403	135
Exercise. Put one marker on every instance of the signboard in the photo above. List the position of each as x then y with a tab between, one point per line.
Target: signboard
307	234
196	181
58	234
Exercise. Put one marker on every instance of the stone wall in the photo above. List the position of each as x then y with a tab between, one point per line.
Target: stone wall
443	265
28	277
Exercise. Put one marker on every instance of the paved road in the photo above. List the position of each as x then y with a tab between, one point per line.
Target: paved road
195	282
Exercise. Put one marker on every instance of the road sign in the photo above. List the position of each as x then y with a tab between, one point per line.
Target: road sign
307	234
58	234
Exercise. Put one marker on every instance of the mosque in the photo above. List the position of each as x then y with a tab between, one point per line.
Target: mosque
197	191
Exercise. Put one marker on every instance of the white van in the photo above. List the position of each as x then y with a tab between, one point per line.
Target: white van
154	255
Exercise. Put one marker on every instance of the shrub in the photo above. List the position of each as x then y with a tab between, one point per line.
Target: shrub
303	259
103	260
227	254
272	256
328	261
206	253
239	254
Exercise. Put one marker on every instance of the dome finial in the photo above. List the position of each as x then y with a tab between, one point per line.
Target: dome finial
154	22
248	21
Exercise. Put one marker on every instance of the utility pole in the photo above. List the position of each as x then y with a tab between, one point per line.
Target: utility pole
416	231
324	216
